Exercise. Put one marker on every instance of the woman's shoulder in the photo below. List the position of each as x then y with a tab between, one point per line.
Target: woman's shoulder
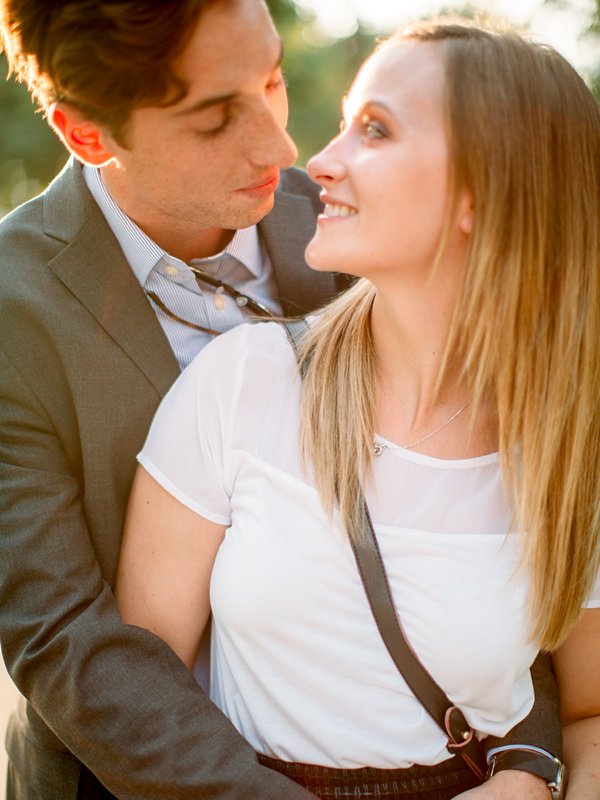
258	349
252	339
236	377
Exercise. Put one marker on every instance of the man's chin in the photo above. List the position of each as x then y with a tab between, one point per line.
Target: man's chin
253	215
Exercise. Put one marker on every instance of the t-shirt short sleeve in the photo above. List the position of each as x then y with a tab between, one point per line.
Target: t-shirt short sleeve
593	600
188	447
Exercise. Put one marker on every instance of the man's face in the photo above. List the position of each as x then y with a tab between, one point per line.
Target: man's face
212	160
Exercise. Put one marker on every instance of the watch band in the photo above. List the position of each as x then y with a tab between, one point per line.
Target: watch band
533	760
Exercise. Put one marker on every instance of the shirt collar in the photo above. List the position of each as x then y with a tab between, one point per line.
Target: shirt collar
142	253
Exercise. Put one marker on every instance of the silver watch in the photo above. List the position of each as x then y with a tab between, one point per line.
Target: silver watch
530	759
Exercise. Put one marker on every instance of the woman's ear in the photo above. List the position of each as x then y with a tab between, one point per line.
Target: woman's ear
465	217
84	138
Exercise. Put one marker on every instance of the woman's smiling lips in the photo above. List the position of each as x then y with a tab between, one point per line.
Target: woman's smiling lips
335	210
265	188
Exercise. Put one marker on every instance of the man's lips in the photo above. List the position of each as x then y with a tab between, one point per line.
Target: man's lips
264	187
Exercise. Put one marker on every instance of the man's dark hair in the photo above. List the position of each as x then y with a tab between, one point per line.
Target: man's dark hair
103	57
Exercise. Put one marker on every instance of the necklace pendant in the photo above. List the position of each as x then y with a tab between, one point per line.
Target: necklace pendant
378	447
219	301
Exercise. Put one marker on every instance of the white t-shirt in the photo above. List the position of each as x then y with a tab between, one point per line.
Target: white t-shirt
297	662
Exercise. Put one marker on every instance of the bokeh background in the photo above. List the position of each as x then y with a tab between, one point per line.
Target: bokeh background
325	42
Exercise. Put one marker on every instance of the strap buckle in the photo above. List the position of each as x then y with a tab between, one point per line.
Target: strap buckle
460	733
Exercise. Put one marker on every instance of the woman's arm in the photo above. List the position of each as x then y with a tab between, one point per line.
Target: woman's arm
577	666
510	784
164	570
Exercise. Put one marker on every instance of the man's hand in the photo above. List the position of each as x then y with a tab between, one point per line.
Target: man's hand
510	784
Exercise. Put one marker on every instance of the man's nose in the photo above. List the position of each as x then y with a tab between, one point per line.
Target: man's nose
270	143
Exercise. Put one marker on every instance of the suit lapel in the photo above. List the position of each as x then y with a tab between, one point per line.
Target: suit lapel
93	267
286	232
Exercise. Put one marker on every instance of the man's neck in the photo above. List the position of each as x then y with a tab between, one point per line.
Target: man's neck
206	243
170	234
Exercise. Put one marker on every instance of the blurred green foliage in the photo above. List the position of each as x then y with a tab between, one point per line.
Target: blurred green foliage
318	73
30	153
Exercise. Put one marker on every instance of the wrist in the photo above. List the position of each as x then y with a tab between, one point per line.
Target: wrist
533	761
515	784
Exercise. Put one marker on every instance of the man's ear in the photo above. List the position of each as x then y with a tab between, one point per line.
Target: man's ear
85	139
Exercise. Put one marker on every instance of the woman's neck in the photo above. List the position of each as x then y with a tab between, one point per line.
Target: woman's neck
413	396
410	332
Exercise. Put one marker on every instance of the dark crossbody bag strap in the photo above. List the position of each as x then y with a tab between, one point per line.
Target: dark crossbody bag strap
461	737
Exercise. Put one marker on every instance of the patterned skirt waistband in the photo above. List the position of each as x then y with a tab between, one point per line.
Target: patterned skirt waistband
440	782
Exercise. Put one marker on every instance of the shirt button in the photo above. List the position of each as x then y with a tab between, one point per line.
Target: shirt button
171	271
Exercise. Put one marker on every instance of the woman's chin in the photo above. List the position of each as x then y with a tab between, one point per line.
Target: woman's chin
319	260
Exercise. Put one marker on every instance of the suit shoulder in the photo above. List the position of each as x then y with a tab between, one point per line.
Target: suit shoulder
19	230
296	181
24	217
25	249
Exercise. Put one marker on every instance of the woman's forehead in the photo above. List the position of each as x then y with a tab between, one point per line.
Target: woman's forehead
403	71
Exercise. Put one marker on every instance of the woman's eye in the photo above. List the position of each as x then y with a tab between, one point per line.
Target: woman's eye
373	129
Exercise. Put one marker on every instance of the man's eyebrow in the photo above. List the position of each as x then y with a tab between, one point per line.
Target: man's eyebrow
220	99
208	102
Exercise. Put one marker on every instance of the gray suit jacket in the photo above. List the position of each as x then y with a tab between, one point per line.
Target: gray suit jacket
83	365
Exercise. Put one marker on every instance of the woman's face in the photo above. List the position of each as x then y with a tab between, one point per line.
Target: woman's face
385	177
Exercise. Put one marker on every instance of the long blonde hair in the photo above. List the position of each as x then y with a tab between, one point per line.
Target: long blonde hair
524	135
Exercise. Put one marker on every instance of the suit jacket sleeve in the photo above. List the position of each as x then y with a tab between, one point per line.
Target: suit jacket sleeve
118	698
77	393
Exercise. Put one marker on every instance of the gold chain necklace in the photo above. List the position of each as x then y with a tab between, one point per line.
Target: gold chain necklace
378	447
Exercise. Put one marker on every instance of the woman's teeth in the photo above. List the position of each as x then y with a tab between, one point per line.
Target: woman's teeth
337	210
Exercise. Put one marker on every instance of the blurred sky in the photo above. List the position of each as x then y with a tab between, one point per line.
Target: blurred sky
558	22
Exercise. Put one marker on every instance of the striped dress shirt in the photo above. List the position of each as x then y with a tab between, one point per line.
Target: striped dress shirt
175	284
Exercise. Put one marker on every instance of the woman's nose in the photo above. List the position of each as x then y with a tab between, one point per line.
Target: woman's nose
327	165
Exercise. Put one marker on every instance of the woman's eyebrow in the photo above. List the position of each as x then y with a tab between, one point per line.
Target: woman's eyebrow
366	106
